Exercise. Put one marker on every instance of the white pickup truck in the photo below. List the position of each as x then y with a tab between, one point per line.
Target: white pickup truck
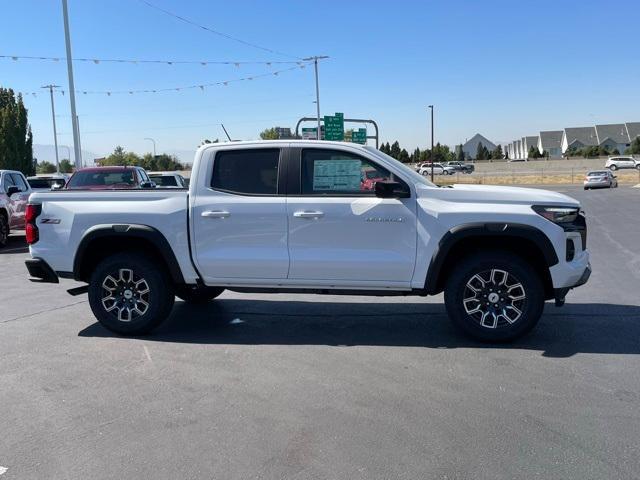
305	216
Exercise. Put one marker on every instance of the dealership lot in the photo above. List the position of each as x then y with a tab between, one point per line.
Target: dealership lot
281	386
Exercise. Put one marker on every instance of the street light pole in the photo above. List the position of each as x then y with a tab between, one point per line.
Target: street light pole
315	66
72	91
431	107
154	145
55	133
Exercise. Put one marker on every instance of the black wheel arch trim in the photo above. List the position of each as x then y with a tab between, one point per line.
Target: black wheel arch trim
481	229
143	232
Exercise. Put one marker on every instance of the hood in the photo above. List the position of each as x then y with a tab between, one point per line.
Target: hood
493	194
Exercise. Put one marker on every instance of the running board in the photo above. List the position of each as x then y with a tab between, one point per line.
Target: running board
78	290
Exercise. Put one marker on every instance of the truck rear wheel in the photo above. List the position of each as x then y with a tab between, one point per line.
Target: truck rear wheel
129	294
494	296
198	295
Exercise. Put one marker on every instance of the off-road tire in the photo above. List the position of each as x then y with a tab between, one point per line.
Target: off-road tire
460	298
130	294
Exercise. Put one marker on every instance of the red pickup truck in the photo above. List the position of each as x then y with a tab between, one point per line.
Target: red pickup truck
14	194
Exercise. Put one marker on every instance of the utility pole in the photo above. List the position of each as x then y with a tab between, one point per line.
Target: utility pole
79	144
72	88
432	157
154	145
315	66
53	116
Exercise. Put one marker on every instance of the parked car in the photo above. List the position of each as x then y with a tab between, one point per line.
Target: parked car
370	177
109	178
291	216
168	179
44	182
438	169
600	179
461	167
14	194
615	163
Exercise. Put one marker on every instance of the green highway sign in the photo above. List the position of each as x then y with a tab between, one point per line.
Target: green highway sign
359	136
334	127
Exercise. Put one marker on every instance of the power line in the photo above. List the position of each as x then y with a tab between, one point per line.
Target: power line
163	62
215	32
202	86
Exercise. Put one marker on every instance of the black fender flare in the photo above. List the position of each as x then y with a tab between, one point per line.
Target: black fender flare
144	232
509	230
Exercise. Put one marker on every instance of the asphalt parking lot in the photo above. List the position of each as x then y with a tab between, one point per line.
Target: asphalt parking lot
305	387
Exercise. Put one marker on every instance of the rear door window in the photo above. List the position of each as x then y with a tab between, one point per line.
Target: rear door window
247	172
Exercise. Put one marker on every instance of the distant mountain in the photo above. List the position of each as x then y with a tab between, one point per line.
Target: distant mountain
48	153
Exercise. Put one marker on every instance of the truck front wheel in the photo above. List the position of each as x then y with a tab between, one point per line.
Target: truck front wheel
129	294
494	296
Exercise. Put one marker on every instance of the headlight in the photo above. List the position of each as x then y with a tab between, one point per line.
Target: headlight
558	215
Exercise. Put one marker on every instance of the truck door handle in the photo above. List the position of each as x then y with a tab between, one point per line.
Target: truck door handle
215	214
308	214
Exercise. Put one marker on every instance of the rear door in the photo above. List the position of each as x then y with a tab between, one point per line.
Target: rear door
239	216
339	231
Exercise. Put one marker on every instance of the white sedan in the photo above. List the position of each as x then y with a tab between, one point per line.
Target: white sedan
438	169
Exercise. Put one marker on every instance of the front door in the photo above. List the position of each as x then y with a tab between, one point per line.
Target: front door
239	218
340	232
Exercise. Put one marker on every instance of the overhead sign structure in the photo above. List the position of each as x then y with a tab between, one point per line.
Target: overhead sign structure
334	127
359	136
310	133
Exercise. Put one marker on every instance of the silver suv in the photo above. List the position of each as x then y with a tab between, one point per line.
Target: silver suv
614	163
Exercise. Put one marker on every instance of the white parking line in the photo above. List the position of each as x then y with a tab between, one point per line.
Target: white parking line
146	352
25	249
3	470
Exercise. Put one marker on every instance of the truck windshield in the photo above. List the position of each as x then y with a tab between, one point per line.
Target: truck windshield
415	176
102	179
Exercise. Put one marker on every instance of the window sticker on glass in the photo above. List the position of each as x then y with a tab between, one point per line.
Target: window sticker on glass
336	175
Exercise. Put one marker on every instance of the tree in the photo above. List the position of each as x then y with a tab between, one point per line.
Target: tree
404	156
269	134
415	156
45	167
395	150
65	166
459	153
497	153
635	146
480	152
16	139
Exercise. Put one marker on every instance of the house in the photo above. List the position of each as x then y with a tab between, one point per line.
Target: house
578	138
550	143
527	143
633	130
613	136
470	147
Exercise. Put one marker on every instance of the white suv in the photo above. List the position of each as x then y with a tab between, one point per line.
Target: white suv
614	163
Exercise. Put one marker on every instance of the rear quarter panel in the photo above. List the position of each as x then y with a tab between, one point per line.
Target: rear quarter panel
67	216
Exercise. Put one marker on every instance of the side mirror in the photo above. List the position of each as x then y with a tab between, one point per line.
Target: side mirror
12	190
147	185
392	190
57	186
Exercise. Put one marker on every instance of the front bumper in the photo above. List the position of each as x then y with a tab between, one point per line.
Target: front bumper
561	293
41	271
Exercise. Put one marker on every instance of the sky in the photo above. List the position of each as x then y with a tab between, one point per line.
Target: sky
504	69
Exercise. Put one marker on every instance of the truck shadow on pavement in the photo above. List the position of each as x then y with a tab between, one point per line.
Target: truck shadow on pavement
562	332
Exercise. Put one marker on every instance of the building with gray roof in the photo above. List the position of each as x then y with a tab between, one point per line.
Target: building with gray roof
613	136
633	130
550	142
527	143
578	138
